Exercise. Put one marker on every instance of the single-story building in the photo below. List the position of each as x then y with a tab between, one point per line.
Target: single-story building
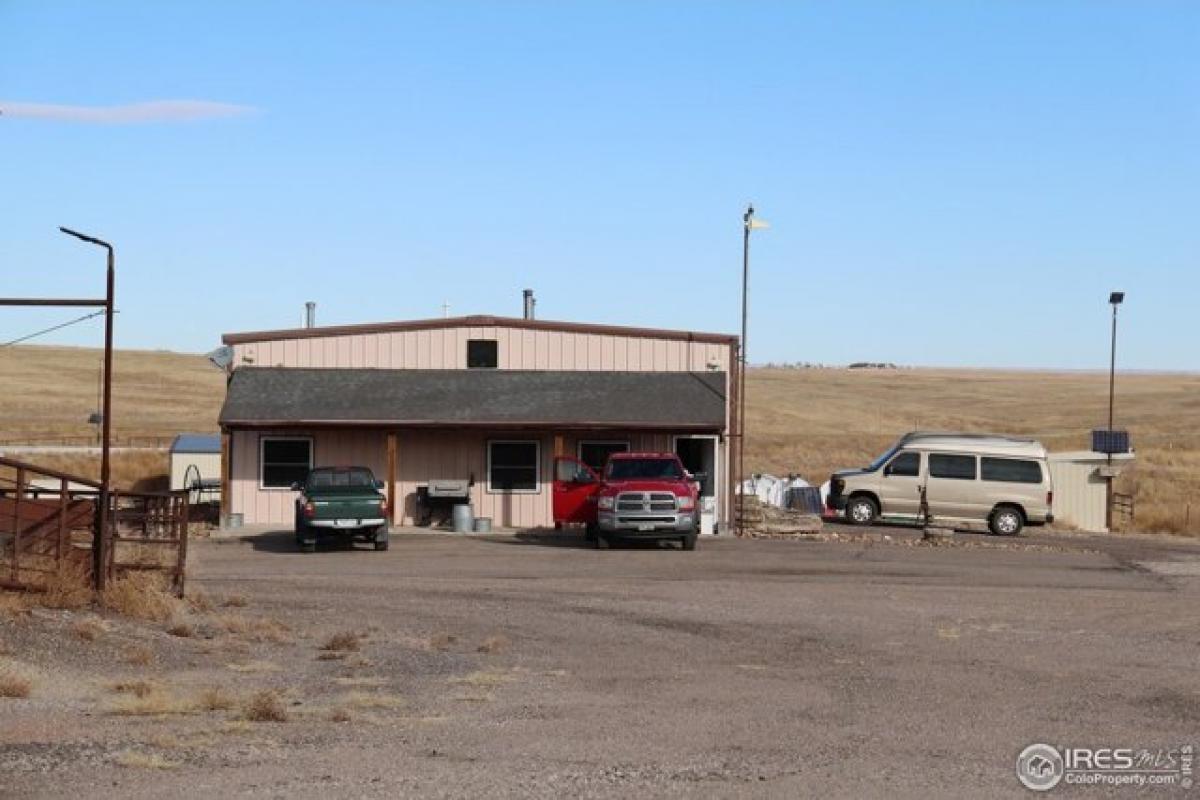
491	401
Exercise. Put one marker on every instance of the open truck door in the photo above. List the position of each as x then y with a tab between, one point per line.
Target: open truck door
575	488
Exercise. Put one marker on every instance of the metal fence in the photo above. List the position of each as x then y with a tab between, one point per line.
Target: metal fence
51	527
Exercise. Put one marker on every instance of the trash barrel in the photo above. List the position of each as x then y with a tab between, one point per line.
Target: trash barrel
483	524
463	518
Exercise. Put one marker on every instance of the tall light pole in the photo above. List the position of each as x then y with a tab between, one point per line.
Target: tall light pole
103	512
749	223
1115	299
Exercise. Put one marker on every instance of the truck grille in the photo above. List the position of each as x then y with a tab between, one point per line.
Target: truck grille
646	501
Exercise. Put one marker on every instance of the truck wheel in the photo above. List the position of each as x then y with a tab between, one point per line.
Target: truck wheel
381	537
1006	521
589	533
601	541
861	510
689	541
308	547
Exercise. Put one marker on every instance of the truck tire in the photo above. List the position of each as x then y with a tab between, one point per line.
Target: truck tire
861	510
601	541
589	533
1006	521
381	538
308	547
689	541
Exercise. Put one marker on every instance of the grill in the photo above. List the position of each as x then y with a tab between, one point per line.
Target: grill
436	500
646	501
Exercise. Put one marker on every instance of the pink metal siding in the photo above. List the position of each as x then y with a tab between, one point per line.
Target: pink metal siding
518	349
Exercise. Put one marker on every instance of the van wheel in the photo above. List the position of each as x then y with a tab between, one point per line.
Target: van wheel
861	510
1006	521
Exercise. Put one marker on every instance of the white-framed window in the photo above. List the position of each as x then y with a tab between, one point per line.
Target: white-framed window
514	466
595	452
283	460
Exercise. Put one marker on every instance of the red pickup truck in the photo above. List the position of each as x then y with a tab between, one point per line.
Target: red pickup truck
639	496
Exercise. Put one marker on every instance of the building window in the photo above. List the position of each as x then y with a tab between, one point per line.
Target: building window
595	454
513	467
959	468
482	354
284	461
1011	470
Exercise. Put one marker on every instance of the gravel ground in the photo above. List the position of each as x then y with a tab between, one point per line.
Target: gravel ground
862	665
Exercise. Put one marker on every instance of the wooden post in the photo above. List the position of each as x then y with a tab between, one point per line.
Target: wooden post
559	445
391	474
16	542
60	542
226	497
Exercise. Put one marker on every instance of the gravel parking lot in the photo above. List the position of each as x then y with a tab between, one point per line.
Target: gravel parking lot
531	666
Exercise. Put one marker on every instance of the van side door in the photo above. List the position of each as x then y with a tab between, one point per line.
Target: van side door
900	485
952	485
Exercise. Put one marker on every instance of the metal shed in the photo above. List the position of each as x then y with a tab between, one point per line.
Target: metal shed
199	450
1081	487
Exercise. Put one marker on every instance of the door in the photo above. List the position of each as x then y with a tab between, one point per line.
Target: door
699	457
575	487
900	486
951	485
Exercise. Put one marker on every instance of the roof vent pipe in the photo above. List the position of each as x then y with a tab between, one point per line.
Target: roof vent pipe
529	303
310	314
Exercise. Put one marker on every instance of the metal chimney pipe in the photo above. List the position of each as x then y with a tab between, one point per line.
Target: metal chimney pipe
529	303
310	314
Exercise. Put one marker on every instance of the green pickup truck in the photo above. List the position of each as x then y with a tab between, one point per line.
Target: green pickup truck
341	502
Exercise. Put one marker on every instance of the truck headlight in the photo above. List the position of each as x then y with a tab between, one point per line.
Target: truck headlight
686	503
605	503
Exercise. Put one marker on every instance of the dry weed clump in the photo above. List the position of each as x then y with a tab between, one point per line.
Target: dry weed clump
137	760
484	679
15	686
340	715
442	641
139	656
69	588
14	604
137	687
494	644
262	629
367	700
143	595
236	601
182	629
156	701
89	630
264	706
200	602
215	698
344	642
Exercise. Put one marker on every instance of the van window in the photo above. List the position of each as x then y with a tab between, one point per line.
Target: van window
960	468
1011	470
906	465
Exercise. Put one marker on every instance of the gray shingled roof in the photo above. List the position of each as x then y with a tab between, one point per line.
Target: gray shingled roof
264	396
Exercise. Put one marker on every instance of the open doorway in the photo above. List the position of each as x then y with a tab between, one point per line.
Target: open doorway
699	456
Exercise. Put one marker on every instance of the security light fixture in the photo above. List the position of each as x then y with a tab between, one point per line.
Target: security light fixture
1116	298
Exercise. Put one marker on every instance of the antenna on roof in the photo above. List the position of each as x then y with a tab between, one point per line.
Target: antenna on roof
310	314
529	303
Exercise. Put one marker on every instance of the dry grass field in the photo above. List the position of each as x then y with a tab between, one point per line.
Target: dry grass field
809	422
48	392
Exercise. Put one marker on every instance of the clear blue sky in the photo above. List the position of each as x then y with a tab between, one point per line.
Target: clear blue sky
947	183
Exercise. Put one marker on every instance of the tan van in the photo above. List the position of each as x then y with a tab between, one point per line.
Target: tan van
967	479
